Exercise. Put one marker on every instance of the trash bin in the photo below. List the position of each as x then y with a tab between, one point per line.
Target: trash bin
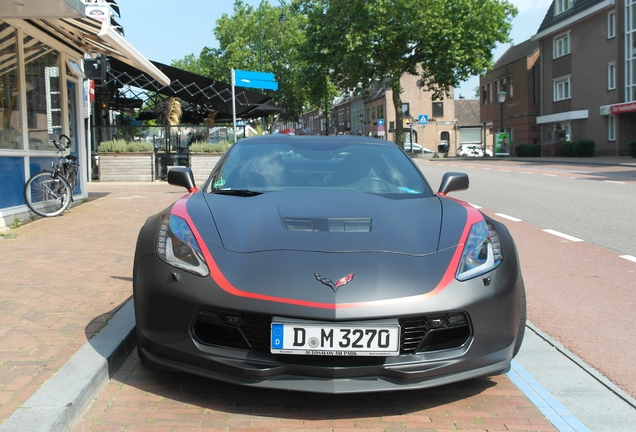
95	165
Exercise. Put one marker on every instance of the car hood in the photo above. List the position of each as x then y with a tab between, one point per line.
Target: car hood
322	221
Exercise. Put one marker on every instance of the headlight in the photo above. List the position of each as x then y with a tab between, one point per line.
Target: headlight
176	245
482	252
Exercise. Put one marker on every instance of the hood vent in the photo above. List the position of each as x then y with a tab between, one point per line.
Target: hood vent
328	224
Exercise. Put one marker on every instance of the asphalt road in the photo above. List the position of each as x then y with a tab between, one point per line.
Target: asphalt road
573	226
595	203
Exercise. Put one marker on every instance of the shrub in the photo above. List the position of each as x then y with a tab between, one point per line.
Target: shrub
528	150
632	148
122	146
584	148
569	149
206	147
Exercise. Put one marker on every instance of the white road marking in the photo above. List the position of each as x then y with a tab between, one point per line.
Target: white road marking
629	258
505	170
514	219
525	172
550	175
475	206
560	234
612	181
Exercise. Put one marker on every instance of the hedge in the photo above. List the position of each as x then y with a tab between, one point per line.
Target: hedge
528	150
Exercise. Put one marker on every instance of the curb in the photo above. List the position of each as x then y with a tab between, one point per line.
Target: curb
57	404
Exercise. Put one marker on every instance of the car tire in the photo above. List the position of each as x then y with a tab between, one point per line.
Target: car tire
522	321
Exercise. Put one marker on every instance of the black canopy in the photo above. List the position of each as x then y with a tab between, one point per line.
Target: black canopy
203	95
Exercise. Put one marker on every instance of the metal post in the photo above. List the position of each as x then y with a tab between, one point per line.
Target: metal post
260	53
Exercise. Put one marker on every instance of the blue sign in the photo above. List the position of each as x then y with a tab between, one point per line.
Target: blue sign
256	80
422	119
380	122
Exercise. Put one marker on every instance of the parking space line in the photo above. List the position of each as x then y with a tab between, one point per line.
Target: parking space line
629	257
560	234
505	216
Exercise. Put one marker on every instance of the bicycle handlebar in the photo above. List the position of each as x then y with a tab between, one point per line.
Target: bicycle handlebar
60	146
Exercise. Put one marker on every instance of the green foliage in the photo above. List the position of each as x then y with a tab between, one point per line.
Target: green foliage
583	148
528	150
442	41
123	146
240	41
205	147
568	149
16	222
632	148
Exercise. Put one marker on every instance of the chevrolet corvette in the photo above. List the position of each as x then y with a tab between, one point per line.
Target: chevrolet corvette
290	268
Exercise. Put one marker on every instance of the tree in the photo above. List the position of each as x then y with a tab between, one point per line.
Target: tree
442	41
239	37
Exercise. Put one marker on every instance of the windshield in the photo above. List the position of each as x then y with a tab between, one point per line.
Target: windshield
293	163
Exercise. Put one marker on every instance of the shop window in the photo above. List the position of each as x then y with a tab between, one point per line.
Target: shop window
10	136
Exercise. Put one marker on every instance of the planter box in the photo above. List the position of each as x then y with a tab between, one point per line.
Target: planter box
202	164
127	167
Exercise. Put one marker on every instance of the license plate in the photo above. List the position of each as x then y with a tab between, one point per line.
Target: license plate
343	339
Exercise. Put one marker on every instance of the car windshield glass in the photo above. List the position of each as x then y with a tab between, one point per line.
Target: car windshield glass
268	165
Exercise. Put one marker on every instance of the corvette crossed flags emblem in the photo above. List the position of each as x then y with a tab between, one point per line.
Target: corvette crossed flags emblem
334	286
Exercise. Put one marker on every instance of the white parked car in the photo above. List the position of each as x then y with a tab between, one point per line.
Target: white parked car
472	150
416	148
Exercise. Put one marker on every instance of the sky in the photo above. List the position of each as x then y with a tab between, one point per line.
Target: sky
167	30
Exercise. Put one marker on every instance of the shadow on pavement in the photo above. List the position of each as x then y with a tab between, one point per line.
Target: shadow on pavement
235	400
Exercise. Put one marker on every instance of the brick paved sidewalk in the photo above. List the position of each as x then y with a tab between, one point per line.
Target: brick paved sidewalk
62	278
138	399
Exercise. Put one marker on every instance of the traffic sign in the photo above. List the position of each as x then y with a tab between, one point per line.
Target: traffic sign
257	80
380	122
422	119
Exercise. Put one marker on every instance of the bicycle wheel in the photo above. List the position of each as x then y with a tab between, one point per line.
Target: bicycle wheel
47	195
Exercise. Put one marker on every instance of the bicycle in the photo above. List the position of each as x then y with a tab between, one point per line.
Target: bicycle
50	192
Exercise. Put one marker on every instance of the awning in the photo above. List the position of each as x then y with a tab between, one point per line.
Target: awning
88	35
204	95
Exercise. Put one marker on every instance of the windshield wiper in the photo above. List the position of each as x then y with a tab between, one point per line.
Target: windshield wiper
237	192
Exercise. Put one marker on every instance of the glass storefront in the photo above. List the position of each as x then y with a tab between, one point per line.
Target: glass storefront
10	130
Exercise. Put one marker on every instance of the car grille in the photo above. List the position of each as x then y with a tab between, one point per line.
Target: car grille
251	332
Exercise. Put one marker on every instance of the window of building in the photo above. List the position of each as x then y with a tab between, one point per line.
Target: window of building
405	110
611	25
368	115
373	113
438	109
44	105
510	87
561	45
611	76
484	95
10	126
561	88
381	112
341	117
561	6
535	87
611	128
489	93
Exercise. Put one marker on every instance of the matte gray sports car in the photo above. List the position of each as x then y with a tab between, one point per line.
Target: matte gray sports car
290	269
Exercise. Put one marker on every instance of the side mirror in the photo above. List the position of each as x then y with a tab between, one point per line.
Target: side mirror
181	176
453	181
